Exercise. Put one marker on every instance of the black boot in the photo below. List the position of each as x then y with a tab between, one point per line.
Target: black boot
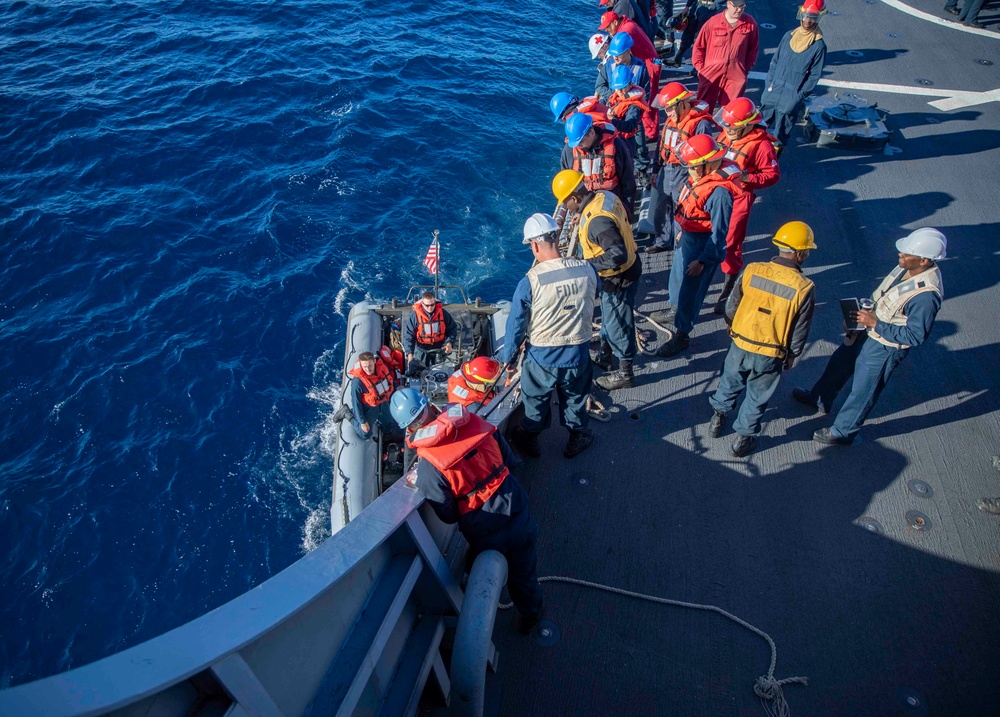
727	289
679	342
622	378
603	357
526	442
716	423
343	413
579	441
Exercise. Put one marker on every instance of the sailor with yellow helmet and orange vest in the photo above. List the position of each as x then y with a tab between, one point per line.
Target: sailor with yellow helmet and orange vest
429	327
770	312
605	236
685	118
747	143
473	384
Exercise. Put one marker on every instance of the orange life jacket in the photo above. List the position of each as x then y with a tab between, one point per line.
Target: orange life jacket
742	149
620	101
393	358
430	327
597	110
674	134
691	214
597	165
461	445
378	386
459	391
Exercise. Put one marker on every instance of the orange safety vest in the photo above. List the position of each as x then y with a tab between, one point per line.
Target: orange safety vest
691	214
461	445
459	391
393	358
598	167
674	134
430	327
742	149
620	101
378	386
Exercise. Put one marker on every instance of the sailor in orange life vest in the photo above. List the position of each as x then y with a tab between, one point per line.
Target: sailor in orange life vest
372	384
428	328
906	304
464	475
553	308
748	143
708	203
601	156
685	118
769	314
605	236
473	384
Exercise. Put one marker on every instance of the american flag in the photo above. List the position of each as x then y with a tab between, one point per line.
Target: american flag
431	260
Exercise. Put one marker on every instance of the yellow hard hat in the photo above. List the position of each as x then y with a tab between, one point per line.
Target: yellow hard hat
565	183
794	236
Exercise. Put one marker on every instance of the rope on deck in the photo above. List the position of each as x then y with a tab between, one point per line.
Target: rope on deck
767	688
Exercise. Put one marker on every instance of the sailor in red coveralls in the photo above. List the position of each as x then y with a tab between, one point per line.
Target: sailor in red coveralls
748	143
724	53
464	476
473	384
428	328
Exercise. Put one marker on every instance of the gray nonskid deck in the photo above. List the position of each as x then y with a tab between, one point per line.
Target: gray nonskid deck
659	507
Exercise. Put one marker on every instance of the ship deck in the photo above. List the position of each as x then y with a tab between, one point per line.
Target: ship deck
898	621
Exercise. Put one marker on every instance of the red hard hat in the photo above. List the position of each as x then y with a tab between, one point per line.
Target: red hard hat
672	93
481	369
699	149
813	7
739	113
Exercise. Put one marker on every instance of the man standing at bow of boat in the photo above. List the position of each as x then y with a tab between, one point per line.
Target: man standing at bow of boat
553	308
906	304
464	474
769	312
428	328
605	236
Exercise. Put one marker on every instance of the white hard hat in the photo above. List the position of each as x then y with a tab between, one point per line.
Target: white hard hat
924	242
597	42
538	228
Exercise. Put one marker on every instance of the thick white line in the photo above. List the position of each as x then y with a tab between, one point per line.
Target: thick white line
903	7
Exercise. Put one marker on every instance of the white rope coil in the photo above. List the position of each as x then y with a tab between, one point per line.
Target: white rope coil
767	688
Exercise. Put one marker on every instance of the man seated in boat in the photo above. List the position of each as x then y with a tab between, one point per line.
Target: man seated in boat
372	384
428	328
474	384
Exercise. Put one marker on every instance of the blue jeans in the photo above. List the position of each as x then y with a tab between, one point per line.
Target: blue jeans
874	366
687	293
571	384
663	200
618	321
759	375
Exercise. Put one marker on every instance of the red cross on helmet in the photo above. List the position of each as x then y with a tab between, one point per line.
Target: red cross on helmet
699	149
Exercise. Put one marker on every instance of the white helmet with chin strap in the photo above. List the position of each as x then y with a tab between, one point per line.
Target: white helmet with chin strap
540	227
924	242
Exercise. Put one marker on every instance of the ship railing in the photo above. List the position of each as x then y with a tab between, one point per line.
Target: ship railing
354	627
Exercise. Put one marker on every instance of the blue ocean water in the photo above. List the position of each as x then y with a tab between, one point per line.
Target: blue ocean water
192	196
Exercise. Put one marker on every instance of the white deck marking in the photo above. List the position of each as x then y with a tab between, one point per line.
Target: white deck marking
951	99
903	7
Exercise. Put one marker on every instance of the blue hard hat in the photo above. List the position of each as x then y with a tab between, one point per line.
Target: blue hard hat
577	125
559	102
620	77
620	44
406	405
